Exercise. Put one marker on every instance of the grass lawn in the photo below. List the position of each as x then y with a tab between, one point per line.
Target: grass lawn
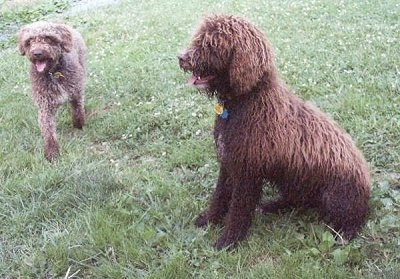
121	200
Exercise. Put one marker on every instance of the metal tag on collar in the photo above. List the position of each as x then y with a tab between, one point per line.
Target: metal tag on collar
221	110
57	76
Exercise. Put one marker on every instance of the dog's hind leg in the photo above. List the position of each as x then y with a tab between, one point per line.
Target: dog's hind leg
346	209
275	206
219	204
245	197
284	202
78	111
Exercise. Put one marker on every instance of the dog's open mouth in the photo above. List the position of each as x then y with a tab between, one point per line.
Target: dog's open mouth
40	65
199	82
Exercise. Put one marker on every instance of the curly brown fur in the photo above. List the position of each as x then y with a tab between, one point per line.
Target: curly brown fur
270	135
58	74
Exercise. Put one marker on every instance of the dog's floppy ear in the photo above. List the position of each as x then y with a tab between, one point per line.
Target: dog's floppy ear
22	41
66	37
252	58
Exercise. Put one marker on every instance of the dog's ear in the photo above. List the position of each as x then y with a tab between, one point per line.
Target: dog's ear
251	60
22	39
66	37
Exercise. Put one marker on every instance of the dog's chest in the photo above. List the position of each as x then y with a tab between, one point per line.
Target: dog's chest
63	94
226	129
220	147
51	90
235	134
223	137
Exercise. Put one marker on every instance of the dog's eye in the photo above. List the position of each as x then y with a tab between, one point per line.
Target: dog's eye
27	43
50	40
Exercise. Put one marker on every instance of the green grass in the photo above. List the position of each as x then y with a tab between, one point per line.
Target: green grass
121	200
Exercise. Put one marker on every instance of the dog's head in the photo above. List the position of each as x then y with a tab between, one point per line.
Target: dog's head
227	56
43	43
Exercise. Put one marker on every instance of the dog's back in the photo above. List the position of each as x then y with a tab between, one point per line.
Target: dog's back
79	47
314	162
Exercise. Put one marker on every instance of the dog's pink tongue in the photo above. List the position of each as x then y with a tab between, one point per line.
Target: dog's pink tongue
40	66
192	80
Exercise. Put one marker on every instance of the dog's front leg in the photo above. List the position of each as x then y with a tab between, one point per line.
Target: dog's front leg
245	197
47	124
219	204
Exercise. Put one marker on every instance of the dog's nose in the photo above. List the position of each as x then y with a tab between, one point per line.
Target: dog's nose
180	58
183	63
38	53
183	56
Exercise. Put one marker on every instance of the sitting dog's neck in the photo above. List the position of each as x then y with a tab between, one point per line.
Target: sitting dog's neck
229	95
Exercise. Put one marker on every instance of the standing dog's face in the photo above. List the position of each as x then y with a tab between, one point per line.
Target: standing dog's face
227	55
44	43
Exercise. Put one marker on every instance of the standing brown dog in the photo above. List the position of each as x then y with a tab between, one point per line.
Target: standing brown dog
58	74
264	132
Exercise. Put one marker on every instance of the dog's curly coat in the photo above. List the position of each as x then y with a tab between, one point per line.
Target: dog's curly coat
58	74
269	134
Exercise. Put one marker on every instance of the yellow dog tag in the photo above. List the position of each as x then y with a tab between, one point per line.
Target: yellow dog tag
59	75
218	108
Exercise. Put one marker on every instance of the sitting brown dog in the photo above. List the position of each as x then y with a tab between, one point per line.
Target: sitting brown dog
58	74
263	132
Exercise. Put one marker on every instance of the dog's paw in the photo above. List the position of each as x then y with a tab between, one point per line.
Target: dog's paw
268	208
209	217
78	122
51	155
78	126
225	242
203	220
274	207
51	151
